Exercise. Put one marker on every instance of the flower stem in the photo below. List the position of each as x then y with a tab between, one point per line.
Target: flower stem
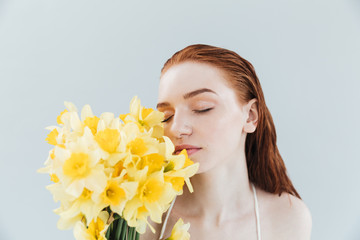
131	233
137	236
118	231
108	234
124	231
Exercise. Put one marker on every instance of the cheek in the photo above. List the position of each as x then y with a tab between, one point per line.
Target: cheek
167	132
225	131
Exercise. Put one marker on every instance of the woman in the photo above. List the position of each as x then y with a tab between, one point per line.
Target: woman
215	108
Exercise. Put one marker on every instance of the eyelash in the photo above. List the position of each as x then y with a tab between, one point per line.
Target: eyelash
203	110
195	111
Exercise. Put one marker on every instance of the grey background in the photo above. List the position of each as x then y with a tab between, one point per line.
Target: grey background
306	53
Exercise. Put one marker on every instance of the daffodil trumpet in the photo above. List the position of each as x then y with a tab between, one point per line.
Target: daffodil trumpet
111	174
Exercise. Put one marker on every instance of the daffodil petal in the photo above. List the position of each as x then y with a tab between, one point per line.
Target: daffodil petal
86	112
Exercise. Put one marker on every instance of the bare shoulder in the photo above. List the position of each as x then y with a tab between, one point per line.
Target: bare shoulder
286	217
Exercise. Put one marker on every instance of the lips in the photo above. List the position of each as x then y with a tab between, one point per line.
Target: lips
189	149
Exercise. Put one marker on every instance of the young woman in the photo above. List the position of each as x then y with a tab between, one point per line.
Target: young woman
214	108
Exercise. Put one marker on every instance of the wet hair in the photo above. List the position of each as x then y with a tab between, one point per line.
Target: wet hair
266	167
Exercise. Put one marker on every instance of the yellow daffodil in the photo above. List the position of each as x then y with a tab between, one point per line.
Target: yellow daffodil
83	205
146	118
124	167
154	194
58	119
136	142
116	193
52	137
73	209
78	165
96	229
70	118
108	139
180	231
56	136
59	194
154	162
71	121
180	168
66	222
175	176
88	119
176	182
107	120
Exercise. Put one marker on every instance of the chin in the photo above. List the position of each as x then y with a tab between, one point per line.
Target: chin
203	168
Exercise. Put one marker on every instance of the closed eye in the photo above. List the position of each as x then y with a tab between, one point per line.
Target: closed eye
195	111
167	119
203	110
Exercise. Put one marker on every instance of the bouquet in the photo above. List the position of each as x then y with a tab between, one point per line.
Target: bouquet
110	174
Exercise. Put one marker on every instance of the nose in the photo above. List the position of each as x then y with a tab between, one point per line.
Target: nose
180	126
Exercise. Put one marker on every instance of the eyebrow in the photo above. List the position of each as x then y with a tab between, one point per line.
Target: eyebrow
187	96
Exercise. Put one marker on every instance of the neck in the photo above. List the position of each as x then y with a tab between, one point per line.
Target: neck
218	192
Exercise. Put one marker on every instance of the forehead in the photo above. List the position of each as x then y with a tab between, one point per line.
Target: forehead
189	76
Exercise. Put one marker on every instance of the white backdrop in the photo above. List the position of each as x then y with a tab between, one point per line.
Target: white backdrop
306	53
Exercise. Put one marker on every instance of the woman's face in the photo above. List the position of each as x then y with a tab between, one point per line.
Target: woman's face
202	114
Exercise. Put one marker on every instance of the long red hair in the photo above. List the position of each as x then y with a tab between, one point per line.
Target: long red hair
266	167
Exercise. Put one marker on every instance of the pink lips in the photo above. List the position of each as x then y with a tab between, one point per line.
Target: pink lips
189	149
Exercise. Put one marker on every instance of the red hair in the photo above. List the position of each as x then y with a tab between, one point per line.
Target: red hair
266	167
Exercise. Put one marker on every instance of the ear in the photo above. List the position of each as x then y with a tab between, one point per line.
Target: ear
251	116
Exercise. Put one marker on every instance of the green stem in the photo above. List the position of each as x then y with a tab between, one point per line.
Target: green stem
120	222
119	230
131	233
110	230
115	230
108	234
124	231
137	236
